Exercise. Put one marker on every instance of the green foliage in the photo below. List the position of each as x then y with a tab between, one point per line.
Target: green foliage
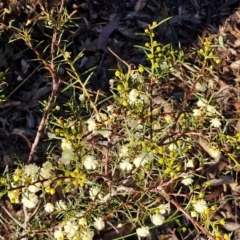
122	162
2	84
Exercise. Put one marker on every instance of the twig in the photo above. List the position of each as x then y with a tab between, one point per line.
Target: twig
55	85
42	122
24	137
10	104
34	213
106	160
14	219
192	220
189	94
23	81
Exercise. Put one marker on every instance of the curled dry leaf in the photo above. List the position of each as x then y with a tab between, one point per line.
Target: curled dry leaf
208	148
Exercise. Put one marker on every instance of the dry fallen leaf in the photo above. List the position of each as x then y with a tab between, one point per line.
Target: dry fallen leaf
231	226
42	91
237	106
235	65
211	150
140	5
105	33
25	66
214	194
215	168
219	182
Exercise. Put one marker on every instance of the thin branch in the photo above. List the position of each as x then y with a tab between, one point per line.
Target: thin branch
55	84
14	219
23	81
35	211
192	220
189	94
